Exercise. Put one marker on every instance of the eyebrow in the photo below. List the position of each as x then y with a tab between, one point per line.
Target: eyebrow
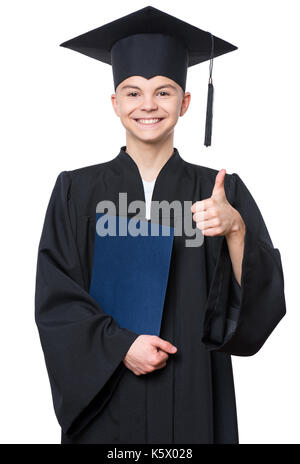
160	87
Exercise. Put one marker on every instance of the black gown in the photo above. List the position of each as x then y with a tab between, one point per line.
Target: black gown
207	315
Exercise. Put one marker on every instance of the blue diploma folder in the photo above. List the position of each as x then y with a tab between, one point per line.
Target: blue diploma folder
130	273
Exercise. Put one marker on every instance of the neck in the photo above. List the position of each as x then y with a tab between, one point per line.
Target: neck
149	156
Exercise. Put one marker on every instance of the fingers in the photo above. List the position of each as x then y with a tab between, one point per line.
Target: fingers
202	205
218	194
150	369
161	365
205	215
164	345
161	356
212	232
203	225
157	358
219	181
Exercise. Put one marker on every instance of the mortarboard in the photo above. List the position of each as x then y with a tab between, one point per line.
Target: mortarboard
150	42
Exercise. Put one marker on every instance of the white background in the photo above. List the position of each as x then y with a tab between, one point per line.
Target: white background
56	115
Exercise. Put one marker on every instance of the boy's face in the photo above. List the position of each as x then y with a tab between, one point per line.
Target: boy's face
138	100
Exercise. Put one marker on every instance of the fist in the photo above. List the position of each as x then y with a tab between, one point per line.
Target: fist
215	216
148	353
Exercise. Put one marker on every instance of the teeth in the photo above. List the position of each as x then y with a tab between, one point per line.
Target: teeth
148	121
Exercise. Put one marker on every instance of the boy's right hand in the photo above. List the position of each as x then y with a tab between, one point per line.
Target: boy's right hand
148	353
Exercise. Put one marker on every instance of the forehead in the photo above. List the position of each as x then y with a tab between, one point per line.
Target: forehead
140	82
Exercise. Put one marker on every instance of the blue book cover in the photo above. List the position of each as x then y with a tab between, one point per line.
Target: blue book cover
130	271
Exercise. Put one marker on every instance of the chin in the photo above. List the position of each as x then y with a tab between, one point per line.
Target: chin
149	139
144	136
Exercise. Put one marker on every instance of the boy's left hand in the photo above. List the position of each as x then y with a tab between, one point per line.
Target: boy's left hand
215	216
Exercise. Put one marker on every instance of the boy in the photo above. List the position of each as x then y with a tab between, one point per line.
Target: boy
169	379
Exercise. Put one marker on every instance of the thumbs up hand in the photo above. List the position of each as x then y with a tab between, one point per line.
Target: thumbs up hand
215	216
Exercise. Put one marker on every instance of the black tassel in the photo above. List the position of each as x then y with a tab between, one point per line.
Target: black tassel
210	98
209	115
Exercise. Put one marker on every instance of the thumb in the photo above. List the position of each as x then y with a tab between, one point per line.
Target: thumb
164	345
219	184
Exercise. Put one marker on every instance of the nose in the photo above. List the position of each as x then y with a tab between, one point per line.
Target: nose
148	103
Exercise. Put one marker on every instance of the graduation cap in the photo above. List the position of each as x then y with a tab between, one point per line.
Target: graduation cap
150	42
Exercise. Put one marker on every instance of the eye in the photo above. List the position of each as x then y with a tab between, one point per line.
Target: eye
135	93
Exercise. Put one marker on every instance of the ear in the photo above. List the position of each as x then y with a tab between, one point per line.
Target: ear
115	104
186	100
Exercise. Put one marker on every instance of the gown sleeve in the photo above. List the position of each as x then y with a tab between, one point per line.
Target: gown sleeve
83	347
239	319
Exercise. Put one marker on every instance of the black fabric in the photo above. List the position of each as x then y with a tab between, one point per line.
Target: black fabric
137	55
207	315
162	35
251	318
83	346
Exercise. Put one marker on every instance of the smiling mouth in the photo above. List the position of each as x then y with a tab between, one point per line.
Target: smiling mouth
147	122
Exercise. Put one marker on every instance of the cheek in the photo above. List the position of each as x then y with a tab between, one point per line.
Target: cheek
172	108
126	108
132	105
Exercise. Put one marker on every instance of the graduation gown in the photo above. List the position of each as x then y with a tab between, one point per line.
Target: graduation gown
207	315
